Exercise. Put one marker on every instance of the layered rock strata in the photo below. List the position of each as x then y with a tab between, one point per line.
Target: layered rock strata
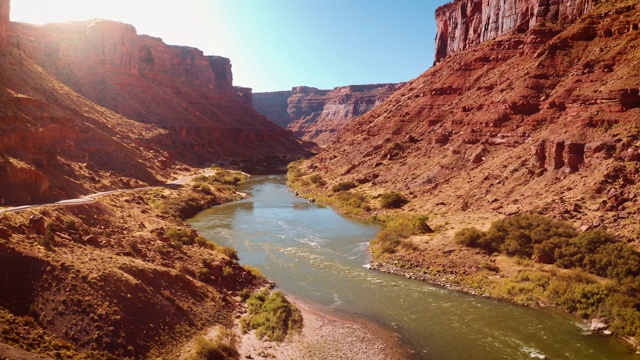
317	115
463	24
92	106
177	88
545	120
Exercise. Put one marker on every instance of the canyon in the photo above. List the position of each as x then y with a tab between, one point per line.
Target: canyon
538	120
544	120
531	107
91	106
317	115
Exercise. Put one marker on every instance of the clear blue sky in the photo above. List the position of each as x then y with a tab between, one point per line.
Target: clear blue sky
277	44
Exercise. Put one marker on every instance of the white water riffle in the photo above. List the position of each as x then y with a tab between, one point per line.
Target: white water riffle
318	256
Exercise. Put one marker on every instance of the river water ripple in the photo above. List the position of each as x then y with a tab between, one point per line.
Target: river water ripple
319	256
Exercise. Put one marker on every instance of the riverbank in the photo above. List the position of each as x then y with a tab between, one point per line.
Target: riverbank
327	336
158	284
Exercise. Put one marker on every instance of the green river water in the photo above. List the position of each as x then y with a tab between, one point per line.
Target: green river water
319	256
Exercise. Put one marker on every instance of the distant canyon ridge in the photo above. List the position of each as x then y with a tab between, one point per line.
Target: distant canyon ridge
317	115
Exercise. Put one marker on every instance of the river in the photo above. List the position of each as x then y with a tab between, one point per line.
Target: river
318	256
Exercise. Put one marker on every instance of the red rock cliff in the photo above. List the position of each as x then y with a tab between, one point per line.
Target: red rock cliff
4	22
545	121
463	24
316	115
177	88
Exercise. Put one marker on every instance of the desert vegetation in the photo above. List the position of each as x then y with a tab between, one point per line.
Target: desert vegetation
590	274
396	233
271	315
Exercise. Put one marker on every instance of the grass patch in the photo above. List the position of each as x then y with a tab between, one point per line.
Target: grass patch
396	231
271	315
223	347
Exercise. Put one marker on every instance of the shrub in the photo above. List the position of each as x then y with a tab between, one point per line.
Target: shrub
219	349
555	242
351	202
271	315
205	243
229	252
227	271
392	200
344	186
396	229
47	240
180	236
317	179
254	271
468	237
70	225
203	273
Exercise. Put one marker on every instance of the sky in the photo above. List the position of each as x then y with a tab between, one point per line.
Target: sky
276	44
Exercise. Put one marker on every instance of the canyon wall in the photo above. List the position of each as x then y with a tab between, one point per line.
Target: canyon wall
92	106
463	24
177	88
542	121
316	115
4	22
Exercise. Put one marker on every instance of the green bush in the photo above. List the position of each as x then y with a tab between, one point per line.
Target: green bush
392	200
352	202
396	230
344	186
556	242
228	251
271	315
219	349
518	235
180	236
254	271
70	225
317	179
587	257
468	237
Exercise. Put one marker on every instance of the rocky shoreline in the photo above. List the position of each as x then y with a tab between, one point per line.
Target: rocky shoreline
327	336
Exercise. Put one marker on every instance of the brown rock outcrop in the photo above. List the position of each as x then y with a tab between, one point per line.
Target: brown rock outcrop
177	88
316	115
463	24
4	22
92	106
534	120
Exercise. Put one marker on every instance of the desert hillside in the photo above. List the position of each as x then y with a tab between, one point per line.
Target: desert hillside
539	118
93	106
317	115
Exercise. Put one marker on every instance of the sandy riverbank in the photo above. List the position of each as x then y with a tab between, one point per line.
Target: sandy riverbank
327	336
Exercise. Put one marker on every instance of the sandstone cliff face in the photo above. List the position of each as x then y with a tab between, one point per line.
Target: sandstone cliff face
177	88
4	22
545	121
463	24
92	106
316	115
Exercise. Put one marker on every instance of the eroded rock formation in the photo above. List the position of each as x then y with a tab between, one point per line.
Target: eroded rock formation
463	24
544	120
316	115
90	106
